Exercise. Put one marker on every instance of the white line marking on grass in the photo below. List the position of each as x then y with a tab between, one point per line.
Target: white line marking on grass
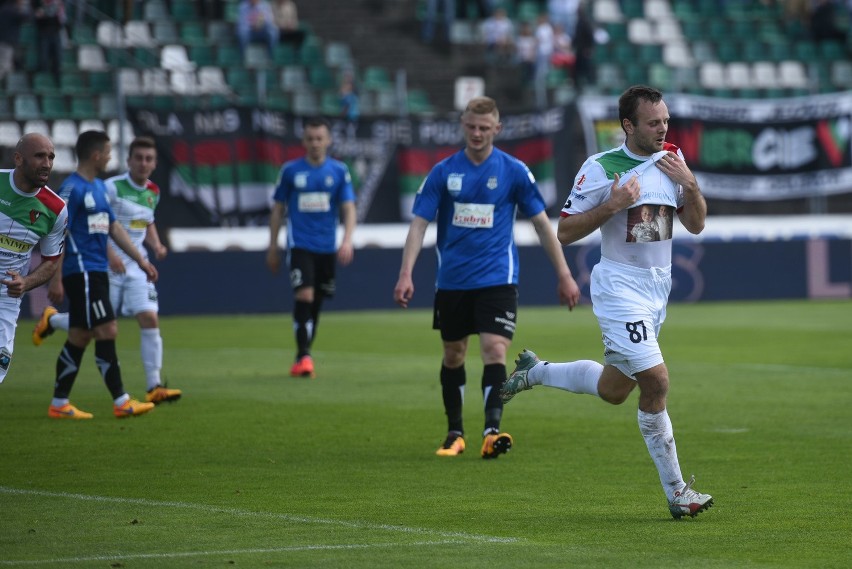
131	556
254	514
783	368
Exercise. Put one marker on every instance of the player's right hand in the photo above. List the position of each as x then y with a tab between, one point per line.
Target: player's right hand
626	195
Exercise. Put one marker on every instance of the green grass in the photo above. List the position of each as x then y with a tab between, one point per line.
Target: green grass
255	469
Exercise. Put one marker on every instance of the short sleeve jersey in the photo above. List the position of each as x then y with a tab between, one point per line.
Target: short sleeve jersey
313	195
641	235
476	206
89	218
26	220
134	207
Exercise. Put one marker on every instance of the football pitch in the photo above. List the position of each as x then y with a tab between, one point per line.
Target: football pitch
253	468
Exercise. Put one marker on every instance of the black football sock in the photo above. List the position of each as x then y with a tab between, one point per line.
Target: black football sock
452	390
493	376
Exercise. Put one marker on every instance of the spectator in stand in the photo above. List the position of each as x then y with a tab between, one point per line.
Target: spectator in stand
287	20
430	20
564	13
13	14
350	106
526	52
50	20
256	24
823	22
563	50
498	33
584	42
544	43
211	10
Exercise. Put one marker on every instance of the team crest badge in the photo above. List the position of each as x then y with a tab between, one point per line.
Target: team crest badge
454	183
300	180
34	215
329	181
492	183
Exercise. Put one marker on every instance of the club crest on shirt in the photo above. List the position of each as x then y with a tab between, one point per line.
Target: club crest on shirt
300	180
34	215
492	183
329	181
454	183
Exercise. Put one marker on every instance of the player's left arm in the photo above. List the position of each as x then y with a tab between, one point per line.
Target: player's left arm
346	251
152	240
567	289
122	239
694	210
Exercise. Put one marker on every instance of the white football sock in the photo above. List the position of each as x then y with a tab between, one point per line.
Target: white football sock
152	355
59	321
578	377
656	428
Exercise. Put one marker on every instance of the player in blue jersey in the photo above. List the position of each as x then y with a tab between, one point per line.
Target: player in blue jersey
312	192
631	284
474	195
91	222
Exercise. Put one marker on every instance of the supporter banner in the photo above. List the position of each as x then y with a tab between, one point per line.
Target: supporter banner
748	149
218	168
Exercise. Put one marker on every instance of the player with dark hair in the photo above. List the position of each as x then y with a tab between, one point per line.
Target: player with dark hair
91	222
631	284
312	192
133	197
475	194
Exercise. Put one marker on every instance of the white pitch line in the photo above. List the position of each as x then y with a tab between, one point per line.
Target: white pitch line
131	556
254	514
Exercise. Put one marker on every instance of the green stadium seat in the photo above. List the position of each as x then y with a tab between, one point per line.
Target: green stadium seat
83	108
53	107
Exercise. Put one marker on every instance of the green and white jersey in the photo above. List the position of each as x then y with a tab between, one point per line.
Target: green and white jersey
134	207
27	220
642	235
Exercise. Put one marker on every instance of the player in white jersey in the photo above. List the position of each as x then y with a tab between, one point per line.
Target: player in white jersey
30	214
133	198
631	284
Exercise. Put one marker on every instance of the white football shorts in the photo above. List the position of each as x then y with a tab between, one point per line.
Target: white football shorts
630	303
10	309
131	293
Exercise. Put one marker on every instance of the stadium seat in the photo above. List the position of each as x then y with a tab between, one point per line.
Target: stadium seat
211	80
137	33
165	32
26	107
792	75
175	58
294	78
64	132
17	82
305	103
37	125
155	82
155	10
10	133
91	58
83	108
129	81
109	34
841	74
107	107
183	82
193	33
64	161
256	56
90	124
73	83
765	75
607	11
738	75
711	75
54	107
